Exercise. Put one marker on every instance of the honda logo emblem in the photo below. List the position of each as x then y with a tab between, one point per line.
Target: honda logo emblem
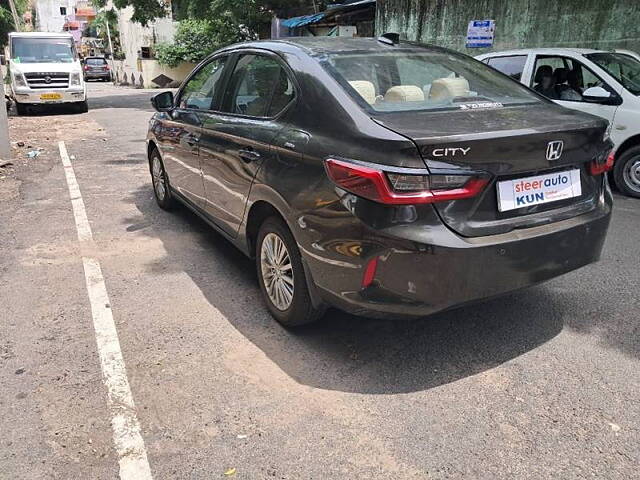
554	150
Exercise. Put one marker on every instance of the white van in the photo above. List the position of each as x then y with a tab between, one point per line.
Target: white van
44	68
604	83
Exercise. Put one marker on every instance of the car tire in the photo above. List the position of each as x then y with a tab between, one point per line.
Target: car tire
21	109
626	172
160	182
287	294
82	107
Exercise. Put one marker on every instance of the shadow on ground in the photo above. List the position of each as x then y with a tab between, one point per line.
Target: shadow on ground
129	98
343	352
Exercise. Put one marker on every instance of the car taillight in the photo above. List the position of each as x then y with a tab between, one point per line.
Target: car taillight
395	188
106	67
86	67
597	168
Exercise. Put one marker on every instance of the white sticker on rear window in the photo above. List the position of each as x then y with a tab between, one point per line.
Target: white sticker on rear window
474	106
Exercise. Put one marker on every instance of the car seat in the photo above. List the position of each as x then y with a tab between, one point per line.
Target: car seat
450	87
365	89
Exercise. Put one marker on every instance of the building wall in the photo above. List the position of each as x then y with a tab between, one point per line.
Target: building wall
134	70
519	23
48	16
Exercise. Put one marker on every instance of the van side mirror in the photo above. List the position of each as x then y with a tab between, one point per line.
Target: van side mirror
3	60
162	102
600	95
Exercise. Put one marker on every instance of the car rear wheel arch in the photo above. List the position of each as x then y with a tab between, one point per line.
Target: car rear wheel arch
627	144
258	213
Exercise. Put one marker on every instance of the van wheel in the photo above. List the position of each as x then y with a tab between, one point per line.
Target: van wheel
21	109
281	276
160	181
82	107
626	172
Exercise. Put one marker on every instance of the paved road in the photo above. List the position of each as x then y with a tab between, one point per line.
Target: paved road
540	384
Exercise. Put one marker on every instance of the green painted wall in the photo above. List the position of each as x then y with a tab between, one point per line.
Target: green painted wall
519	23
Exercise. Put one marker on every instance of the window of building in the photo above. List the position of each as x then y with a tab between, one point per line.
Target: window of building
63	11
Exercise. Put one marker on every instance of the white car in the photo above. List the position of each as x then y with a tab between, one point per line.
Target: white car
44	68
604	83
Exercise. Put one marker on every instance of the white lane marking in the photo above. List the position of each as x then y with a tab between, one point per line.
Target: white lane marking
132	454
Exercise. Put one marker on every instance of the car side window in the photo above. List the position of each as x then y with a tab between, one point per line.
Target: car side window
200	90
512	65
259	87
562	78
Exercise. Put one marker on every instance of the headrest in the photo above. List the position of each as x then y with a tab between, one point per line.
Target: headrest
543	71
573	77
560	74
449	87
404	93
365	89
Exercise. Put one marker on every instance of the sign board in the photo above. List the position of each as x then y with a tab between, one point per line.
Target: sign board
480	33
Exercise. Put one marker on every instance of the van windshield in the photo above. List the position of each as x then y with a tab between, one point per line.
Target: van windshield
623	68
42	50
413	80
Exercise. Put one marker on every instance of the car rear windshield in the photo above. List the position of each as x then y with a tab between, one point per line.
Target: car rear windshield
409	80
95	61
622	67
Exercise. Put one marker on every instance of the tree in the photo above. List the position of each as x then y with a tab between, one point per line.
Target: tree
195	39
206	25
6	19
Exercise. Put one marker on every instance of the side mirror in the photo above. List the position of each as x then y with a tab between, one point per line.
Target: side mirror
162	102
599	95
3	60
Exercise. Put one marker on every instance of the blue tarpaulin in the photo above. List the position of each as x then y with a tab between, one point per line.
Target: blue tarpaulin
296	22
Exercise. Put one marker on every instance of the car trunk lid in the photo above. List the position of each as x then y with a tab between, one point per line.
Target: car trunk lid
509	143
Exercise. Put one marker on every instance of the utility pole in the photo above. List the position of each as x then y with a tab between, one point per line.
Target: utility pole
5	147
14	13
106	16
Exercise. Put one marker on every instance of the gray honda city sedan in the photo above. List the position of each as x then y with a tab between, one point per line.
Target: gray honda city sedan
382	177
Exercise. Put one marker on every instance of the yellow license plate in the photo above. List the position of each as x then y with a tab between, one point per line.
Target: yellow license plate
50	96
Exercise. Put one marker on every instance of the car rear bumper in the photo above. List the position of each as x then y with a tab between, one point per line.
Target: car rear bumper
97	75
66	96
416	279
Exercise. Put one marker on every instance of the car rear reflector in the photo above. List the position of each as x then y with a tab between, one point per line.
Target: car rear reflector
395	188
369	272
597	168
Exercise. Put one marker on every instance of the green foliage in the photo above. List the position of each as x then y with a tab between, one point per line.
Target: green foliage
195	39
206	25
6	19
98	27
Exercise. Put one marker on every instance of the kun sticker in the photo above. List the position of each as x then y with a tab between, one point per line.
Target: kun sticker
477	105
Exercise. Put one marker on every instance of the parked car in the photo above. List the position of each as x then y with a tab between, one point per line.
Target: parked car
385	178
593	81
96	68
44	69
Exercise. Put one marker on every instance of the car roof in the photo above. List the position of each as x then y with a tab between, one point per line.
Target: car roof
550	51
319	45
41	34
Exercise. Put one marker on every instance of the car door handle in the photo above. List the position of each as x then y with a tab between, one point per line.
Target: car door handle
248	154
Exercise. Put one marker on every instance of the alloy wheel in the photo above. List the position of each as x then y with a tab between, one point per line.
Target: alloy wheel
277	271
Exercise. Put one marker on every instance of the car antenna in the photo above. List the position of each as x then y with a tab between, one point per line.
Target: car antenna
389	38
